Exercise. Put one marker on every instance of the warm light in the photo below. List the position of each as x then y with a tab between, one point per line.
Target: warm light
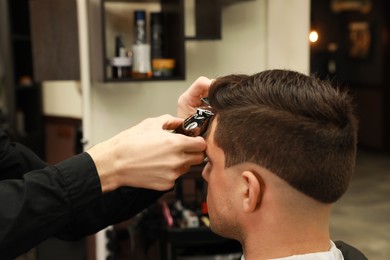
313	36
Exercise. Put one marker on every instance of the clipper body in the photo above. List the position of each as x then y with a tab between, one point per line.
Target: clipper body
197	124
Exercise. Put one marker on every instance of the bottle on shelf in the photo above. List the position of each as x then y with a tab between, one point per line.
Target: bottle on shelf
141	50
121	63
157	35
161	65
139	27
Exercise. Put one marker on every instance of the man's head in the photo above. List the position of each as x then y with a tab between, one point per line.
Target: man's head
297	127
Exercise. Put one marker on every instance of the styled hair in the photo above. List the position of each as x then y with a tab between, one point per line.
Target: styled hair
300	128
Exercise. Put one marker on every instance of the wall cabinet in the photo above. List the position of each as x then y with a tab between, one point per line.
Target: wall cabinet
55	34
207	16
117	19
55	39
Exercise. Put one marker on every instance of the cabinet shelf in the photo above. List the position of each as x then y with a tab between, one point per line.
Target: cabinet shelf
124	80
116	18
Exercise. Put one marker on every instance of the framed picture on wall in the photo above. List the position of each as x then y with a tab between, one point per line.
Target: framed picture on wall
359	40
362	6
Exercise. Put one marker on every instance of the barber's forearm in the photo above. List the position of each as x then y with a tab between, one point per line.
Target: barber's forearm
105	167
44	202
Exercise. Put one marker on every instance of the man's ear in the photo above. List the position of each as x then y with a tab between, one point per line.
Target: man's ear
253	192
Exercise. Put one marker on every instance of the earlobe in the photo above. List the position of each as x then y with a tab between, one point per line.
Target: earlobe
253	193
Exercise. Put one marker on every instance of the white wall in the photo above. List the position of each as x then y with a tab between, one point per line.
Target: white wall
62	98
288	26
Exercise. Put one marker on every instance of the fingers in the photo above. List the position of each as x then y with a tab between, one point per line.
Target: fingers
183	143
171	123
193	144
196	158
165	122
193	153
191	160
200	88
186	144
191	98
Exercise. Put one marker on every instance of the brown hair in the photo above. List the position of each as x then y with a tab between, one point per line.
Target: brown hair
299	127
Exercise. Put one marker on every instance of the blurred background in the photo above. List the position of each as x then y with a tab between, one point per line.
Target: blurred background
75	72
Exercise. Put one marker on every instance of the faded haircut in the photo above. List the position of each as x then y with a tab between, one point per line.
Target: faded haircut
299	127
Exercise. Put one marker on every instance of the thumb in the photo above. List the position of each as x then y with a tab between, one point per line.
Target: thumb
169	122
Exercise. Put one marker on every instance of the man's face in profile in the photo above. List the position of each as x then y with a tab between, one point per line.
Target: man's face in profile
221	191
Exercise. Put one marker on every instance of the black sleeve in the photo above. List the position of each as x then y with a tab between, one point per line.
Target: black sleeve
42	203
63	200
108	209
16	159
114	207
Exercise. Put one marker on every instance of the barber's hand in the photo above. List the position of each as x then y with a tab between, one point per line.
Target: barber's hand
190	99
147	156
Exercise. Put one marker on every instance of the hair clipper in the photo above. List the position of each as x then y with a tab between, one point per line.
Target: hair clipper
197	124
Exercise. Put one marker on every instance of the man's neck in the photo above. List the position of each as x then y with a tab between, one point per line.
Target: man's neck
286	223
277	239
